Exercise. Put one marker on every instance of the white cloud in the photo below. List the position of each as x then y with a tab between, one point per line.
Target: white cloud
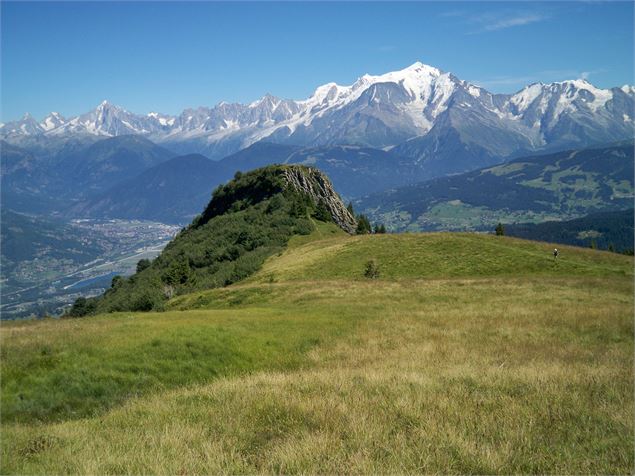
513	21
495	20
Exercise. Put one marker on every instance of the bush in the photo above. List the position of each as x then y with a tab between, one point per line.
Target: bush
500	229
143	303
371	270
303	227
82	307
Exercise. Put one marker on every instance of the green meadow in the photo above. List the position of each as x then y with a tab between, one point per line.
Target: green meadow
468	354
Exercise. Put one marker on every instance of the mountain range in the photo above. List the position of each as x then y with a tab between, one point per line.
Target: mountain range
445	124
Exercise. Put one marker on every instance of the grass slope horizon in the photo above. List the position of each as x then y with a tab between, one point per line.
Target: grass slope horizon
469	354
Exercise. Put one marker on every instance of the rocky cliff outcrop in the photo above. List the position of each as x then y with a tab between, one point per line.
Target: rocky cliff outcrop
316	185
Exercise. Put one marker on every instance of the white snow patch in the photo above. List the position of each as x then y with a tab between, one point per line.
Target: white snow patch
474	91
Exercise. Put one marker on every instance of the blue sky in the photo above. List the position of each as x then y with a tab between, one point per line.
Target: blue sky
165	56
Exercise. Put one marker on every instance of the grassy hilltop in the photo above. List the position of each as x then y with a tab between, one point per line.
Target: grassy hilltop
469	354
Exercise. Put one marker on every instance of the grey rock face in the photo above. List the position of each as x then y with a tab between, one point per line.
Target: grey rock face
315	184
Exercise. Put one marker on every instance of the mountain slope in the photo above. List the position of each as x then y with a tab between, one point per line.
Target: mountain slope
115	159
33	242
171	192
45	175
247	220
24	181
602	230
557	186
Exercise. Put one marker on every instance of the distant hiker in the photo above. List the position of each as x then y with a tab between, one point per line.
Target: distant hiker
555	253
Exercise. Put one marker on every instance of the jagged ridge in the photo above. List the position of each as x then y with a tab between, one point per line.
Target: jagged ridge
376	111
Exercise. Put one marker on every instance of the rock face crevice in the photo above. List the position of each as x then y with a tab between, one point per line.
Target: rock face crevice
316	185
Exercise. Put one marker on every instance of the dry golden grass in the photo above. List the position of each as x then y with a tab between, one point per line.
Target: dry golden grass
478	374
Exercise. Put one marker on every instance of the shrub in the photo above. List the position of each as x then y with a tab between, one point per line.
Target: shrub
303	227
500	229
82	307
143	303
371	270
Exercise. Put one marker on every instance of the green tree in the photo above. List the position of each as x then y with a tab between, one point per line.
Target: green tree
116	282
350	208
380	228
143	264
363	225
500	229
321	212
179	272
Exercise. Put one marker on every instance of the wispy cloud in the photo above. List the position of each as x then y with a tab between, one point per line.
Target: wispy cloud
509	22
494	20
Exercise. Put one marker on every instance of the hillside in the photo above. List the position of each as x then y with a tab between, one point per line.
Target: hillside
469	354
44	176
602	230
171	192
113	160
248	219
557	186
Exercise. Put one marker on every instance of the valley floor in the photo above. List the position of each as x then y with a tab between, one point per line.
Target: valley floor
497	360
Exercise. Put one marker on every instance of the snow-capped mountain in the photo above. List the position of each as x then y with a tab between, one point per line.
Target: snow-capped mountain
52	121
107	120
26	126
420	111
